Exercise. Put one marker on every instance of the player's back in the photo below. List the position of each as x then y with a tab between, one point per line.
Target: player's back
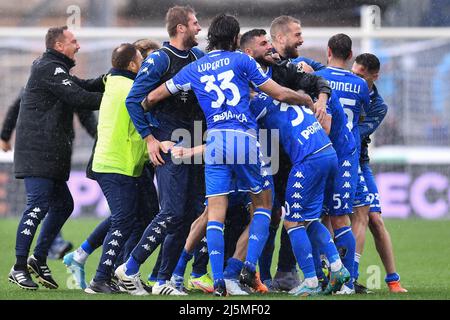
300	133
352	91
220	80
340	135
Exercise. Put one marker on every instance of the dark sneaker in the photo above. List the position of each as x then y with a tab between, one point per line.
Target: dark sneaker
106	287
22	278
220	289
360	289
42	273
58	251
285	281
251	280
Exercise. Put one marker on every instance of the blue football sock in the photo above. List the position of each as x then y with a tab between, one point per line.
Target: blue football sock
392	277
321	238
302	251
87	247
346	244
258	234
233	268
216	246
132	266
182	263
265	260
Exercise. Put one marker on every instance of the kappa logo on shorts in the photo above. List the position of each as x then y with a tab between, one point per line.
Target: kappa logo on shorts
32	215
297	185
151	239
347	185
214	252
37	209
114	243
297	205
296	216
146	247
117	233
346	195
29	222
296	195
111	252
108	262
346	174
299	174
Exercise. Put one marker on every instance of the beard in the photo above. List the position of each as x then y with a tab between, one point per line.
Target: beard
262	61
190	41
291	52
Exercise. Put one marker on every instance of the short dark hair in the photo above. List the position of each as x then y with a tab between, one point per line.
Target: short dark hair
247	37
123	55
369	61
145	45
223	33
280	24
340	45
175	16
53	35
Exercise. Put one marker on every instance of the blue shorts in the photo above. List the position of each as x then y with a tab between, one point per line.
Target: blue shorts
372	188
341	188
362	197
232	163
306	186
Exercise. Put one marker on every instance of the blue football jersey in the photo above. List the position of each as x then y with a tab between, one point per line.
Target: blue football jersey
340	135
352	92
220	80
300	132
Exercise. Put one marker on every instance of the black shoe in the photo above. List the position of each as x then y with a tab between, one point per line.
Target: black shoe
42	273
108	287
323	282
248	278
360	289
220	290
58	251
22	278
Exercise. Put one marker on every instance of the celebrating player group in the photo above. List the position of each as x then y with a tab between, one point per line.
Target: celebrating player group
282	138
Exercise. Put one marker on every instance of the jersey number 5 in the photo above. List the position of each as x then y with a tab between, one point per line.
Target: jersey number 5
225	83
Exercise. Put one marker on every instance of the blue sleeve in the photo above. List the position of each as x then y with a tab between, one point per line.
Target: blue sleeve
374	116
253	71
314	64
152	69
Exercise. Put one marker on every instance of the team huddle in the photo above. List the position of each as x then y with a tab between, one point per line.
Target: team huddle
283	139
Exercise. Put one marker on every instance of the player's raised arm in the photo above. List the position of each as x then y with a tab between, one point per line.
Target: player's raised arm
287	95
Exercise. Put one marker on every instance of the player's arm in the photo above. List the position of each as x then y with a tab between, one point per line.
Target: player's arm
374	116
155	96
287	95
9	124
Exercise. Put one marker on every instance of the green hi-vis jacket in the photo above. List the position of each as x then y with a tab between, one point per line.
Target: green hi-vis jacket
120	149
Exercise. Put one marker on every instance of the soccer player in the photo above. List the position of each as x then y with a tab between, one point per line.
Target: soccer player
220	81
367	66
182	182
353	94
314	161
255	44
286	36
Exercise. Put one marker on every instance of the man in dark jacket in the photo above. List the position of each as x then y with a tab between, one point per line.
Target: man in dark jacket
87	119
43	149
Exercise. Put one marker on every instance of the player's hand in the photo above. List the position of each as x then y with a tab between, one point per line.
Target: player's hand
5	145
180	152
153	148
320	108
306	67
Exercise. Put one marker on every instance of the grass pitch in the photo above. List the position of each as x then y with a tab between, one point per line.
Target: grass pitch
422	252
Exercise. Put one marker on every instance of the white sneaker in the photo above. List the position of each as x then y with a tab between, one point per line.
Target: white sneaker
132	283
166	289
233	288
345	290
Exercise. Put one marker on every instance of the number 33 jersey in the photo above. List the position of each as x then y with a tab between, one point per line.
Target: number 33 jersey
220	80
